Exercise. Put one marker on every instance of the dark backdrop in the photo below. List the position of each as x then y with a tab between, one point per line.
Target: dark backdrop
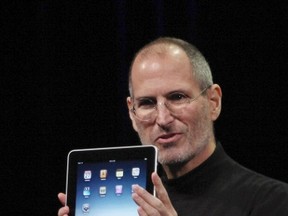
64	71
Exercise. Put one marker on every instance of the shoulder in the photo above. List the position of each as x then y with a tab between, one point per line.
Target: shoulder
268	196
271	197
258	181
270	187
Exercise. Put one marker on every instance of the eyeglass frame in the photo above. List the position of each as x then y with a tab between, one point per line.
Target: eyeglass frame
188	101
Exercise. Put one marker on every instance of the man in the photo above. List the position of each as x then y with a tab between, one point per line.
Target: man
173	104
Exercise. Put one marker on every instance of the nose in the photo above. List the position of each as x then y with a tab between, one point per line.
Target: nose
164	116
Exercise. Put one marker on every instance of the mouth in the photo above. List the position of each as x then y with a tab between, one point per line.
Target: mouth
168	138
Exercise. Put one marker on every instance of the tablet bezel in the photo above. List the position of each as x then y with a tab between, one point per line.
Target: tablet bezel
97	155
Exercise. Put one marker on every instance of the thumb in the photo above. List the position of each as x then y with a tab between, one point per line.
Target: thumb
62	198
162	193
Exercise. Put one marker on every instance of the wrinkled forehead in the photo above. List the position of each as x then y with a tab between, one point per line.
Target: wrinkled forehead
163	68
153	56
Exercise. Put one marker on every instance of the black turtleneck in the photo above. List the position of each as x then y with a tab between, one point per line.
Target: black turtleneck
222	187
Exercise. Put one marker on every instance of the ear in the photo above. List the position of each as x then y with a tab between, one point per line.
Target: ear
215	100
132	117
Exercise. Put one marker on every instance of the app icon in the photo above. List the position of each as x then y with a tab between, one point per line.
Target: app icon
102	190
119	189
85	208
119	173
135	171
103	173
87	175
86	192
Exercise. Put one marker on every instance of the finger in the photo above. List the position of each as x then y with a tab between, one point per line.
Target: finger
64	211
160	189
141	212
144	208
162	194
62	198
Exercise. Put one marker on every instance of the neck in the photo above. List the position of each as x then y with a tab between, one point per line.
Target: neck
177	170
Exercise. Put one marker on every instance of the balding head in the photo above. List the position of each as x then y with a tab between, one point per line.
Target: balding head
162	47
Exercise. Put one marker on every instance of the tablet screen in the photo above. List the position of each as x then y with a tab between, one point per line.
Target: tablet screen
100	180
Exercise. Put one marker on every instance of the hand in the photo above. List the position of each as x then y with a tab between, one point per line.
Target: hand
150	205
63	211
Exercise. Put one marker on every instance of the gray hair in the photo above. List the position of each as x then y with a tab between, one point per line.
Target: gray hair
200	67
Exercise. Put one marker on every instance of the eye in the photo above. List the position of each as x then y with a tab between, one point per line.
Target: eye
177	97
145	103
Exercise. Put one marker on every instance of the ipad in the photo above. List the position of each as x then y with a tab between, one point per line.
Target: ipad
99	180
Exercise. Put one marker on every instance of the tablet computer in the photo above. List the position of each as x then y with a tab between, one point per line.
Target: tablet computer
99	180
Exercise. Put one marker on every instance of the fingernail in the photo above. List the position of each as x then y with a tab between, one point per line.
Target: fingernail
134	186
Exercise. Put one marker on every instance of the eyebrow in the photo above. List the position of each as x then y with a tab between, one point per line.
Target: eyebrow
165	95
144	98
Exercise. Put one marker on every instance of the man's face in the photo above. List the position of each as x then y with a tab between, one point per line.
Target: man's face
179	138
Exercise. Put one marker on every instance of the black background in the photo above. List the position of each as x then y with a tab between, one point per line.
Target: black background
64	68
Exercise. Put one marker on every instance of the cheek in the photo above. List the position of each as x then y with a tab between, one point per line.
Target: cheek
195	117
143	132
191	115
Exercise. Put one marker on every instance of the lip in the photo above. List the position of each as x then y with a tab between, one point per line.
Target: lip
168	138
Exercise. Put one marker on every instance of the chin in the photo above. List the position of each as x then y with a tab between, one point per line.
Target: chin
172	157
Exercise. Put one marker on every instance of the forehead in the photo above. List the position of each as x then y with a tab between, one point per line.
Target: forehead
161	71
